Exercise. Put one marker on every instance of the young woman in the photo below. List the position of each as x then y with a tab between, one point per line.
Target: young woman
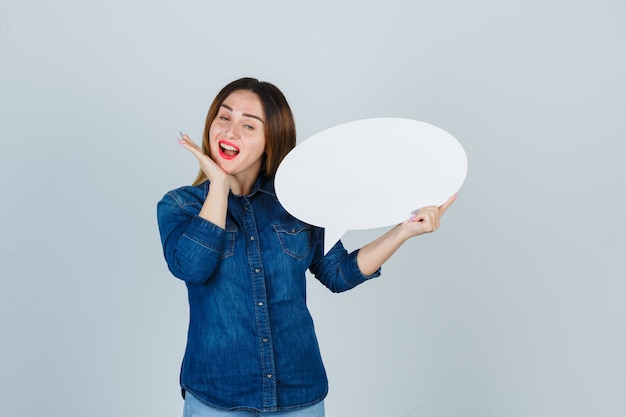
251	346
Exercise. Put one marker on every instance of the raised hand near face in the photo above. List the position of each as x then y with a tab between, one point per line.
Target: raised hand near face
214	173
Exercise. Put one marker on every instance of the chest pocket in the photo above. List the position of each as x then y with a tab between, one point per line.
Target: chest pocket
295	239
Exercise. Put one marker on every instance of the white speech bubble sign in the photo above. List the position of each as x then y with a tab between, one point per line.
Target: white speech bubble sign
369	173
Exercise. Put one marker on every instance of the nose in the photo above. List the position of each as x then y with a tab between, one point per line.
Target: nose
233	131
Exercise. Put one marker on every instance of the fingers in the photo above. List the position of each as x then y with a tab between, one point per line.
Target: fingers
429	218
444	206
188	144
212	171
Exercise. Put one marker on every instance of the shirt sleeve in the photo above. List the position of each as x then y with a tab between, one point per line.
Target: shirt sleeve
191	244
338	270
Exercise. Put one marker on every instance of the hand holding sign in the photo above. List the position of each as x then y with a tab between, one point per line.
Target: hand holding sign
369	173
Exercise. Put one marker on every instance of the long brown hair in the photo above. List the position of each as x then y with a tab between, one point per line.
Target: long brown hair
280	127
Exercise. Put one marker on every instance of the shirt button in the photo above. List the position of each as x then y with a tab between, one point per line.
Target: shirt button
260	304
245	208
257	270
265	340
269	375
251	237
293	230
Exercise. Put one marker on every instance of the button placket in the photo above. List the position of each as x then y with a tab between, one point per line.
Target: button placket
261	311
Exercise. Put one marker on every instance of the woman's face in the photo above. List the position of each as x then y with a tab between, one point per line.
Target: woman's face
237	135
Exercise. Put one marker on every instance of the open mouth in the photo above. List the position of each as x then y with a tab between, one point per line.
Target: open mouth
228	150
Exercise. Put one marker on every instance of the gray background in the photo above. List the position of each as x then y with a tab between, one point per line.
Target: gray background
513	308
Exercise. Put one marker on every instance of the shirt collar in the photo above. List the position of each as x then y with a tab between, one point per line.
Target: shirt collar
263	184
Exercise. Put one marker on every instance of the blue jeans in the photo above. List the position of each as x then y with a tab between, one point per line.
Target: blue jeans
194	408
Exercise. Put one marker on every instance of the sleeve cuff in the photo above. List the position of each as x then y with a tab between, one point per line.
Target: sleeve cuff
352	273
204	233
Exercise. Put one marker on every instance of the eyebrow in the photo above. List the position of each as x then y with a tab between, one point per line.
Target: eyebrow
244	114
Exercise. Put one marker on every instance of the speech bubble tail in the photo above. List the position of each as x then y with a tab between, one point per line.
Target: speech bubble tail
331	237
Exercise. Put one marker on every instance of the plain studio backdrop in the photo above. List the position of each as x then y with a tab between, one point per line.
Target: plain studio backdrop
513	308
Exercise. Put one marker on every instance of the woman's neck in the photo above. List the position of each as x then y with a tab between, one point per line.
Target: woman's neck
243	184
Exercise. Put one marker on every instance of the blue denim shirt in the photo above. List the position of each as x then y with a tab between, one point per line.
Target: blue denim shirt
251	342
